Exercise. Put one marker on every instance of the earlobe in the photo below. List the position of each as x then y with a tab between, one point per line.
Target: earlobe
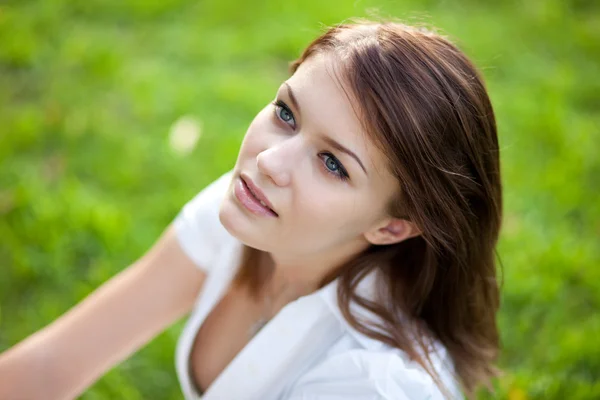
394	231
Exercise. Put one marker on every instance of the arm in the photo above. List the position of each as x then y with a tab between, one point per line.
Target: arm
63	359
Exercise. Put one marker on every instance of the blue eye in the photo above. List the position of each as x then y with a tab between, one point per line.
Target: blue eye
333	166
283	112
285	115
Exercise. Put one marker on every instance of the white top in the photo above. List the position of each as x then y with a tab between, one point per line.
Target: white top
308	351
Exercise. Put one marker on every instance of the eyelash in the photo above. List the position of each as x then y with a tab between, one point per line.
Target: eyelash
341	172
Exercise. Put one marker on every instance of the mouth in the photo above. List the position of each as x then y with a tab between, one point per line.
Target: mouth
253	198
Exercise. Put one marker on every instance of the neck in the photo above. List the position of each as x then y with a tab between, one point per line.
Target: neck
302	275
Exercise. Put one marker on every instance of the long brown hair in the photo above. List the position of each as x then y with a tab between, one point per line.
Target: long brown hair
425	106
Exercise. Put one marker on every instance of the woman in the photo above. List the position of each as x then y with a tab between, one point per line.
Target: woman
349	254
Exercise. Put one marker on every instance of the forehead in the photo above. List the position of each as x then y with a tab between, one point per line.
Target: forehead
327	106
318	81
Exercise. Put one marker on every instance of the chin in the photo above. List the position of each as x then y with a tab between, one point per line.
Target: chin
237	224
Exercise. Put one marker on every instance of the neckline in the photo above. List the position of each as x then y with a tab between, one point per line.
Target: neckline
198	391
221	279
297	334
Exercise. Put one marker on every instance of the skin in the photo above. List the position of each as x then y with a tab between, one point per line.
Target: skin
322	220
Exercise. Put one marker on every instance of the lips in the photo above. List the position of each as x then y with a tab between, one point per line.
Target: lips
253	198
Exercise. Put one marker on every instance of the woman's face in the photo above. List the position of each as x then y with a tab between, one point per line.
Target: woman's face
309	156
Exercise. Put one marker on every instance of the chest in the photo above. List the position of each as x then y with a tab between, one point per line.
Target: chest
222	335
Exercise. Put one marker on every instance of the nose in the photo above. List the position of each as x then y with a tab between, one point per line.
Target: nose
275	163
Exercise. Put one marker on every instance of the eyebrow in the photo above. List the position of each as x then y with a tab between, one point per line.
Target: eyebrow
330	141
343	149
292	97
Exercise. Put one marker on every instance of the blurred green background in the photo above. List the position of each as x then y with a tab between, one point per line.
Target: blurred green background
90	93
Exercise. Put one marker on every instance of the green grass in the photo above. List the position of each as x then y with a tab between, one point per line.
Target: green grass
89	90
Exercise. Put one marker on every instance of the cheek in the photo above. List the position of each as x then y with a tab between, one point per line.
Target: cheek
332	218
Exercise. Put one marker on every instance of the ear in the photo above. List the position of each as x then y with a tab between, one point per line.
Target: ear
392	230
